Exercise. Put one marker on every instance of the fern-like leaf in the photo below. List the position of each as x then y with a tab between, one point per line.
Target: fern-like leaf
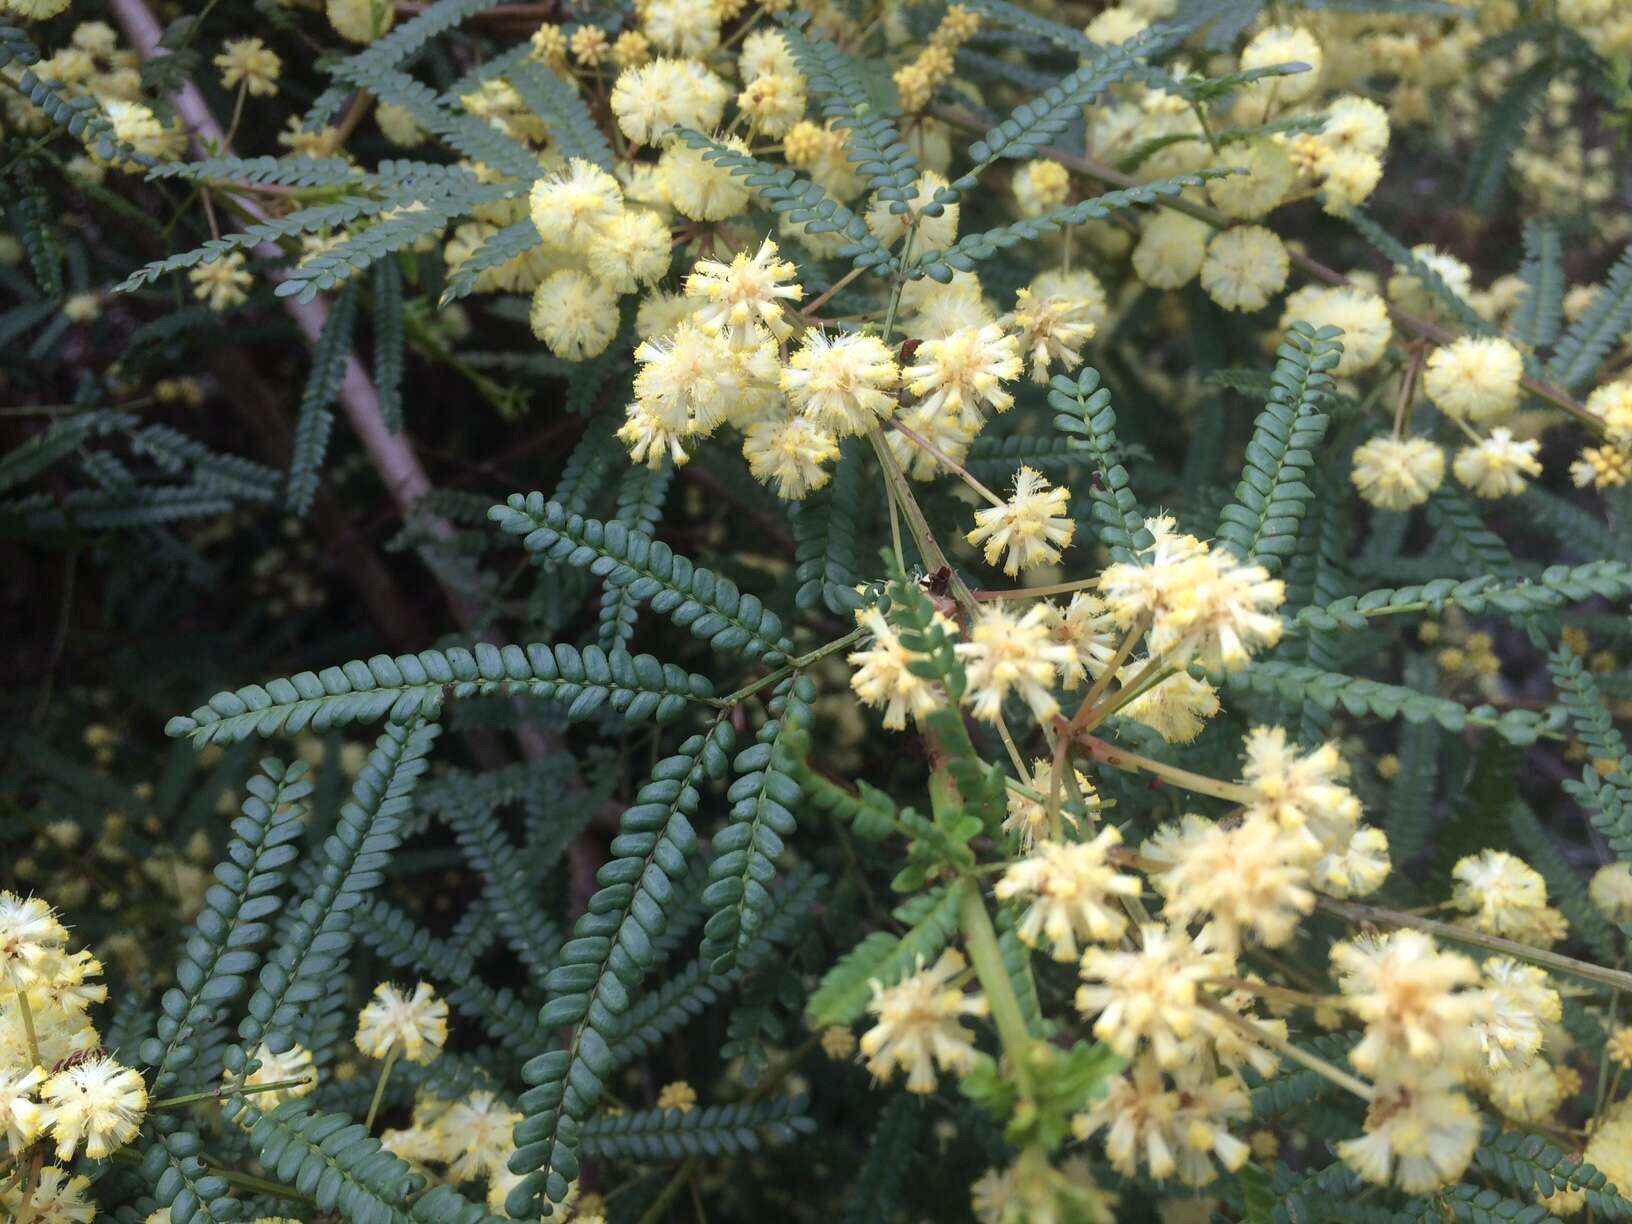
218	953
1464	535
331	1157
891	1151
604	963
874	145
1540	311
1532	1166
1591	338
1083	409
388	341
1505	124
824	534
1397	253
931	919
572	128
350	865
510	889
1294	684
717	1130
416	686
641	493
763	799
1554	588
1606	794
696	599
315	421
788	193
967	252
1261	525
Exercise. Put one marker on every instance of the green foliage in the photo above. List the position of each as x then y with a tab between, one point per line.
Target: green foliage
1606	796
848	101
219	953
1581	350
1083	410
930	919
1504	129
1541	310
1261	525
312	427
824	532
1532	1166
331	1157
299	970
418	686
606	959
1397	253
966	253
696	599
745	851
802	202
657	1134
1295	683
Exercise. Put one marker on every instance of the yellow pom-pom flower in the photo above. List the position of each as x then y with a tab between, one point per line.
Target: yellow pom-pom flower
1475	378
1500	466
574	314
97	1103
413	1026
1031	527
1244	268
1397	473
845	383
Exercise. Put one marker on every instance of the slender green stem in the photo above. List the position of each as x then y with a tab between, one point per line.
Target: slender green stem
1038	592
980	938
797	663
1280	1045
215	1094
379	1088
946	461
1135	632
27	1013
1121	758
1615	979
1149	677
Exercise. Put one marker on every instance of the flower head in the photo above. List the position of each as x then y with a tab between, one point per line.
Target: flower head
570	207
1397	473
1501	894
20	1114
1521	1001
414	1026
57	1198
1151	997
1249	878
1053	328
1301	791
790	454
1244	268
479	1129
221	283
252	62
651	101
1031	526
919	1026
746	294
98	1103
884	676
1474	378
965	372
1419	1133
629	252
1411	999
844	383
1007	653
1071	890
1499	466
574	314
